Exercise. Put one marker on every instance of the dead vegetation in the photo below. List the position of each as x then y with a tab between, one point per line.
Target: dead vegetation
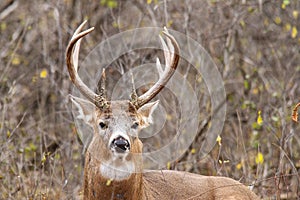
255	45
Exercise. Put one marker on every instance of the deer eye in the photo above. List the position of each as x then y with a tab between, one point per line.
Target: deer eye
135	125
103	125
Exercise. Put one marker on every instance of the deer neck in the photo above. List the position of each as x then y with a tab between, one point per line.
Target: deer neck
114	178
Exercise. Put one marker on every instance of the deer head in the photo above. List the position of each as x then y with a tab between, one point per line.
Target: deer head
116	124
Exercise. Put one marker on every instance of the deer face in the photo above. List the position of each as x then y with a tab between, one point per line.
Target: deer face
116	127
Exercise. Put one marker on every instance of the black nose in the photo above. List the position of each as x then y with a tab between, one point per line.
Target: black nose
120	144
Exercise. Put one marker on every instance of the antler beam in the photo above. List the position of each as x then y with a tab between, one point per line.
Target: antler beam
72	54
171	54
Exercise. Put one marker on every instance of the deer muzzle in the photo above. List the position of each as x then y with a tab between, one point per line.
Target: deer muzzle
120	145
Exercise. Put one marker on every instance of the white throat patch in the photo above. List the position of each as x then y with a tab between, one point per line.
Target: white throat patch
117	170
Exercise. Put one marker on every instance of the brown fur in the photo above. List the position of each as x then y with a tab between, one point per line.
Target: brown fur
168	184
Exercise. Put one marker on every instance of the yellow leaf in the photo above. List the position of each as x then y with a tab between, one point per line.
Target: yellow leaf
199	79
294	32
53	98
115	24
34	78
239	166
295	14
8	133
169	24
168	165
44	73
3	26
285	3
169	117
242	23
259	159
258	55
219	139
44	159
255	91
266	22
149	1
259	119
288	27
193	151
225	161
277	20
108	182
16	60
250	9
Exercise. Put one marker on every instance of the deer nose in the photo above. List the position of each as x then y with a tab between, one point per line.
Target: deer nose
120	144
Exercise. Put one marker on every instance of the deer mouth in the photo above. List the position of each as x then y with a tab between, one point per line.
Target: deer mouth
120	145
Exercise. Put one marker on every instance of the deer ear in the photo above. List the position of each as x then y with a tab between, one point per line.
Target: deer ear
147	110
86	109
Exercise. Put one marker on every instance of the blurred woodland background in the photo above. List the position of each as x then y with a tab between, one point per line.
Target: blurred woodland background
255	44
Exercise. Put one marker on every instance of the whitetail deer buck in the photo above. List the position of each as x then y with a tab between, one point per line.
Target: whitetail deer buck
113	162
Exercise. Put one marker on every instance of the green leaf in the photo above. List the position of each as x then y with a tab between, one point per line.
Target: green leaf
246	84
112	4
286	2
109	3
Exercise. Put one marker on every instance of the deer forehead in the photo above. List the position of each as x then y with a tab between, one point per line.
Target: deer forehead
119	112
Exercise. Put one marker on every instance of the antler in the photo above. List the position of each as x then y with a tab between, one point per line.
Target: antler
72	53
171	54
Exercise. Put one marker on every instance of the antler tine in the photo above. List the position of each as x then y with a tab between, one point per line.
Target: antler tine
133	96
101	85
171	53
72	53
102	90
